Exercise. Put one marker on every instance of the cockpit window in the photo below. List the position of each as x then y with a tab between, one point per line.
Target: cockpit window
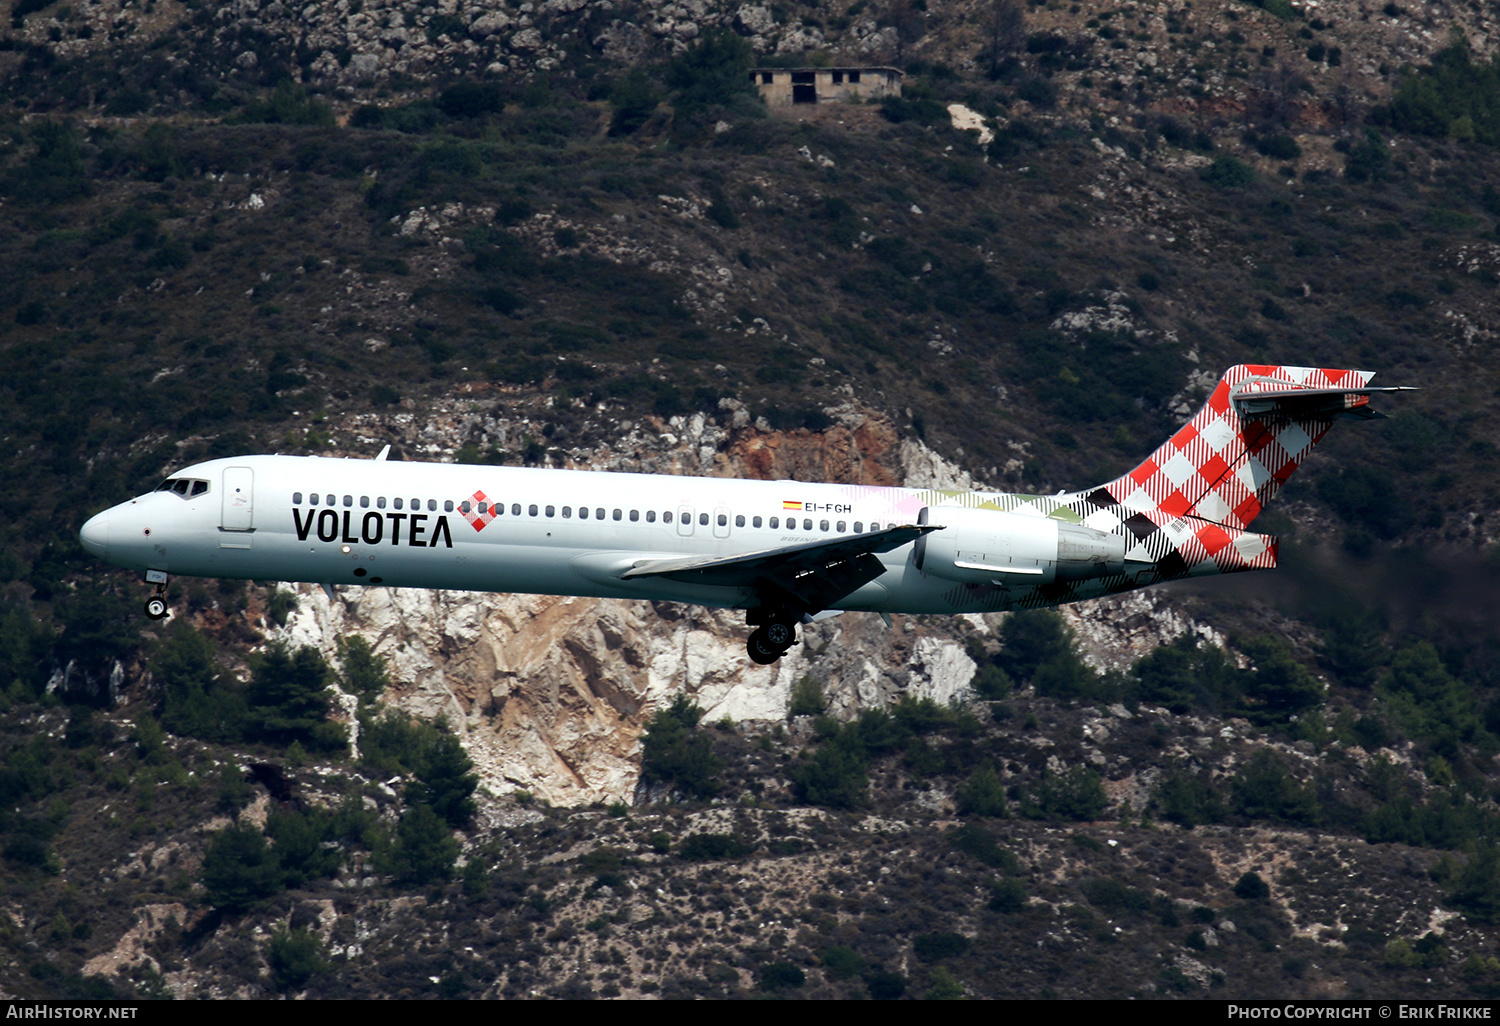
184	486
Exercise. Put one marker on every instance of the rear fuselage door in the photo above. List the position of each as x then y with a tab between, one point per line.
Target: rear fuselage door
238	511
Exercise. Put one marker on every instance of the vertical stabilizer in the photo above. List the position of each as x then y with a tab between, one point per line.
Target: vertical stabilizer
1257	427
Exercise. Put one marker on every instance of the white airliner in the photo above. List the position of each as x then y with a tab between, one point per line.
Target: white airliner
783	551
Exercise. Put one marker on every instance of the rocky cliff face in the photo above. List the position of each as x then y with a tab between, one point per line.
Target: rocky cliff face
551	694
351	45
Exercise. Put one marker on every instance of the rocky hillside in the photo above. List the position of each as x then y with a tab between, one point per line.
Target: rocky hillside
568	234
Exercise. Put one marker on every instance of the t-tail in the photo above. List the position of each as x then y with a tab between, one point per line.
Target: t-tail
1186	508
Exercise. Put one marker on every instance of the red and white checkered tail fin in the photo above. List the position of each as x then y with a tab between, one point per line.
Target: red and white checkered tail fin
1257	427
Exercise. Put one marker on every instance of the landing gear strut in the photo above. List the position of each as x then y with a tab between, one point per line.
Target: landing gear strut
770	640
156	605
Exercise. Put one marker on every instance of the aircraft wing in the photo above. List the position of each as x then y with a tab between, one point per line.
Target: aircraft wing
814	575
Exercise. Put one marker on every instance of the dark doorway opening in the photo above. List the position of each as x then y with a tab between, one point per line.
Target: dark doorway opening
804	94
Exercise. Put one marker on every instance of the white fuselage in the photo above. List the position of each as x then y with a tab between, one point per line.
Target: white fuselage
398	524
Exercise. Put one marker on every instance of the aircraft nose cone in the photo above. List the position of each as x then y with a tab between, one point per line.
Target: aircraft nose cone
95	535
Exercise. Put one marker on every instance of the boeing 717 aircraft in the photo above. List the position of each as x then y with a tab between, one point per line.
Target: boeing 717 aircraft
783	551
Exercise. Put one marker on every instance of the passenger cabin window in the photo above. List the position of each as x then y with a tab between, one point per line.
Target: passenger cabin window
723	520
330	500
598	514
380	502
567	512
755	522
313	499
617	514
635	515
650	516
775	523
364	502
666	517
448	506
515	509
842	527
859	528
348	500
531	509
296	498
551	511
398	503
822	525
583	512
703	519
739	521
463	507
807	525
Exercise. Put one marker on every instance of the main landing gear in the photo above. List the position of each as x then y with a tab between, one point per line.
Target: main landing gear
156	605
770	640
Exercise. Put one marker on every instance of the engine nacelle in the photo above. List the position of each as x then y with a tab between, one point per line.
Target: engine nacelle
988	546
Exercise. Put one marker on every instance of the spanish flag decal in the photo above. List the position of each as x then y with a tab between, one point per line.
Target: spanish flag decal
790	505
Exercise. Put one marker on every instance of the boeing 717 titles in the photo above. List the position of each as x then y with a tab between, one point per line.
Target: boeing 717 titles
782	551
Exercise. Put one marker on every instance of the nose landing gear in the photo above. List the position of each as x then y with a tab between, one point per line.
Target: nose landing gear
156	605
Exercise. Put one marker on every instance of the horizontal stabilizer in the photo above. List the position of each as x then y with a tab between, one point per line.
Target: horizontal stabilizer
1263	397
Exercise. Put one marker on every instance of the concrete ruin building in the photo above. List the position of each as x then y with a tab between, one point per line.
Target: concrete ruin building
782	87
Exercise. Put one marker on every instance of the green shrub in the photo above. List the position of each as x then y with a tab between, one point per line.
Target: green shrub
240	870
1263	789
1250	887
1278	687
841	963
714	73
1189	799
634	99
674	751
886	986
1370	159
289	104
807	699
933	947
1112	895
704	847
836	775
299	845
976	841
1476	892
1008	896
1076	794
780	976
1227	172
982	795
295	956
422	851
